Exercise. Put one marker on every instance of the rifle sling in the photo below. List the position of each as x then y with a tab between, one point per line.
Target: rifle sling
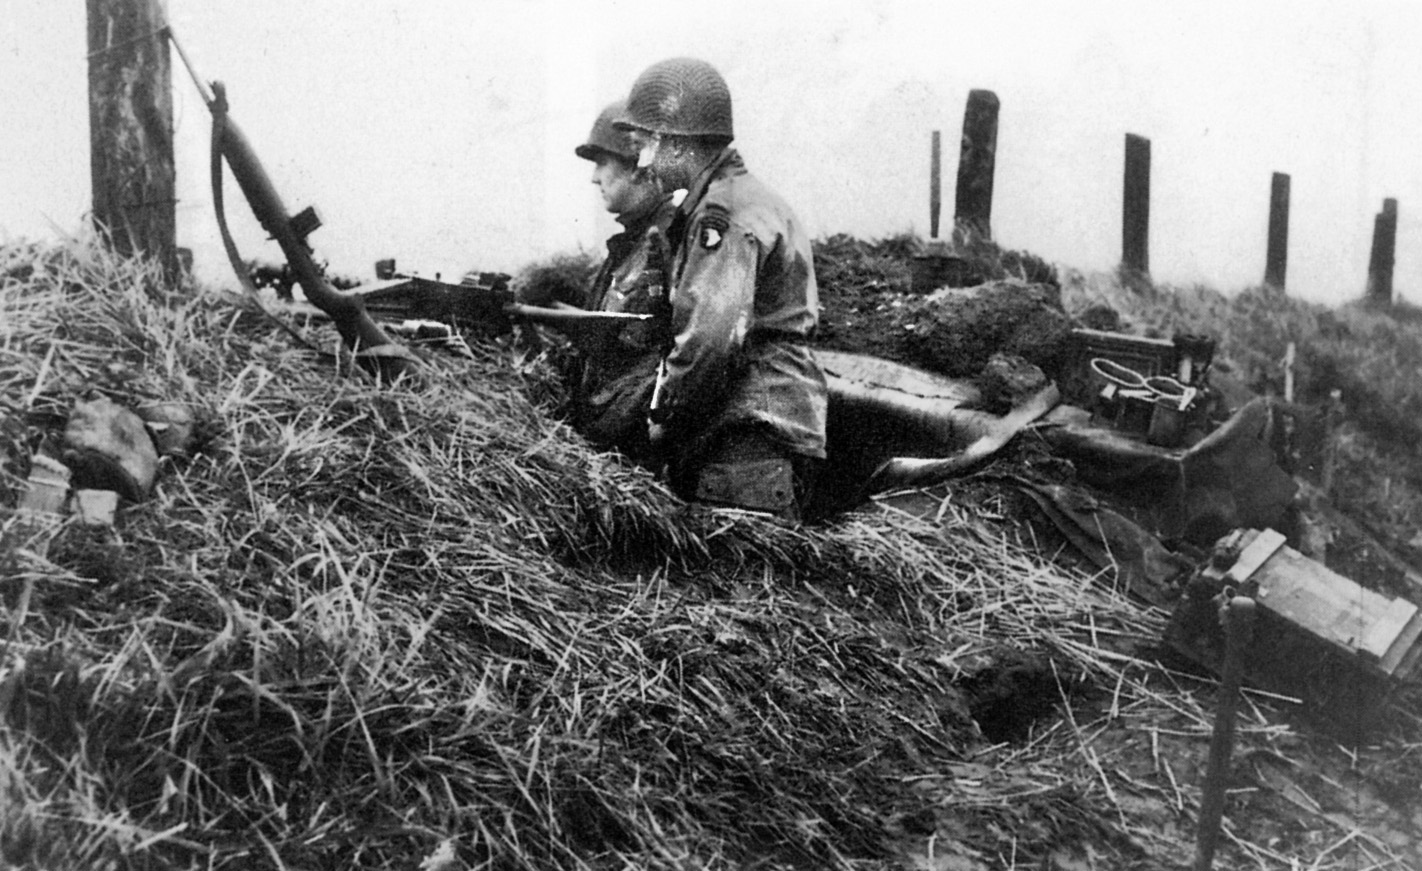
219	124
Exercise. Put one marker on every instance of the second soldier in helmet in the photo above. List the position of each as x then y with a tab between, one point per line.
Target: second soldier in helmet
613	390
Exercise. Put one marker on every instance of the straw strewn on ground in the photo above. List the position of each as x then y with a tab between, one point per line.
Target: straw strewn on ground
365	621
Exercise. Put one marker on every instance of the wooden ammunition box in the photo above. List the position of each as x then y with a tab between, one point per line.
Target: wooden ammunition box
1320	638
1145	355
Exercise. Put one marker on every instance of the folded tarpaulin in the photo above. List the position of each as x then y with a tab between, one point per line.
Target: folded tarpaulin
1111	542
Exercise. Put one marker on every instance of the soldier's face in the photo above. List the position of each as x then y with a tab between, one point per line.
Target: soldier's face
623	188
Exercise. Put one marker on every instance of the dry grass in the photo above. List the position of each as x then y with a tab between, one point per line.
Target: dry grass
362	626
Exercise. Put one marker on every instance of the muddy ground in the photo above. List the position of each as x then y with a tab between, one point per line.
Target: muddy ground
1315	783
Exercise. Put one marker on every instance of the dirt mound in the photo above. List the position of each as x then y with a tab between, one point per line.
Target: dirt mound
362	625
956	331
867	305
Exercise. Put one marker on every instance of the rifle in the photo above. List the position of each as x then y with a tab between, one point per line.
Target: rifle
373	349
594	333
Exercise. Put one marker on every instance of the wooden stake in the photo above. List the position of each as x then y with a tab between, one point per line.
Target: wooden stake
1290	355
976	162
1277	260
935	185
1135	212
1238	618
1332	416
1380	261
131	128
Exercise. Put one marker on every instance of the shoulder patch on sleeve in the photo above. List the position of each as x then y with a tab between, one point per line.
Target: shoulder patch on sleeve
711	227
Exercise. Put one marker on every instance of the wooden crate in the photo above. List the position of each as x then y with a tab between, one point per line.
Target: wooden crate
1081	386
1320	637
1145	355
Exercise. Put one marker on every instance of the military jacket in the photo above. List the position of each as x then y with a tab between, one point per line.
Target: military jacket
614	388
744	305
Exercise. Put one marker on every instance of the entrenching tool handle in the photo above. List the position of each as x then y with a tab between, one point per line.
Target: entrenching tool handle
1237	615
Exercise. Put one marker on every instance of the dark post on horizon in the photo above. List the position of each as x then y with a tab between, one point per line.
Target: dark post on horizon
1277	261
935	185
976	161
1135	210
131	128
1380	261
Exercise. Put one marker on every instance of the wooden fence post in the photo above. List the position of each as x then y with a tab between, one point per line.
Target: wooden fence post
1135	210
1277	260
1380	261
131	128
935	185
972	216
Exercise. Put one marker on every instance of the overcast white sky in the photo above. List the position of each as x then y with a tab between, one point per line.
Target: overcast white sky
441	133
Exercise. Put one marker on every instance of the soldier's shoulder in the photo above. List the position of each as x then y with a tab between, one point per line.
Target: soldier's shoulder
743	199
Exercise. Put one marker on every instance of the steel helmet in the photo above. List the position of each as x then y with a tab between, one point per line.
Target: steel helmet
604	138
680	96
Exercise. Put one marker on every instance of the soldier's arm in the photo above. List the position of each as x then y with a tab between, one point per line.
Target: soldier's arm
712	307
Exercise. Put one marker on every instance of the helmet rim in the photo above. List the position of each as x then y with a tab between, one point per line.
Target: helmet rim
606	137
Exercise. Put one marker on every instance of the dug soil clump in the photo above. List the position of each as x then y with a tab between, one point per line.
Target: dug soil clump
956	331
867	306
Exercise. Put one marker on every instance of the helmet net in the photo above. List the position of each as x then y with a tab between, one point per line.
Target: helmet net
682	97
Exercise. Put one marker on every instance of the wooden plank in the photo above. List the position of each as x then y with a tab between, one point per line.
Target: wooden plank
1380	634
1407	665
1406	642
1255	554
877	372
